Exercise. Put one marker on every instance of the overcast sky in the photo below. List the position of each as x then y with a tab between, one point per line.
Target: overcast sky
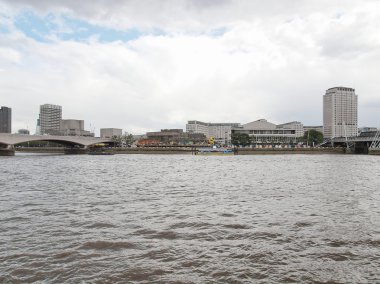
147	65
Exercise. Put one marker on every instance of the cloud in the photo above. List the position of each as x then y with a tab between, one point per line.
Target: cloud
231	61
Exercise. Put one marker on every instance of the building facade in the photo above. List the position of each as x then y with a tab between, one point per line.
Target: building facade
221	132
294	125
23	131
73	127
176	137
340	112
263	132
110	132
5	120
49	119
318	128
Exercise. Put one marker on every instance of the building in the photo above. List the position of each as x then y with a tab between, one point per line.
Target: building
318	128
367	129
263	132
176	137
221	132
294	125
340	112
5	120
110	132
73	127
195	126
23	131
49	119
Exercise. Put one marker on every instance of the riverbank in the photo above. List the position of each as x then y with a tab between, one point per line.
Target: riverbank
7	152
374	152
271	151
191	151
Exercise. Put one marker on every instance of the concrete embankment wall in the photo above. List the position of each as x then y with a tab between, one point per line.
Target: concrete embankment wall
374	152
153	151
41	150
190	151
271	151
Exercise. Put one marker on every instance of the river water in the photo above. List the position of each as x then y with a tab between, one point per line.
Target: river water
190	219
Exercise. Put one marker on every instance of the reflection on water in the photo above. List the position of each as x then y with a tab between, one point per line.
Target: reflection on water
190	219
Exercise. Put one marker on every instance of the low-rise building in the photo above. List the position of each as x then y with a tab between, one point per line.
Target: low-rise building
318	128
23	131
221	132
110	132
73	127
367	129
263	132
176	137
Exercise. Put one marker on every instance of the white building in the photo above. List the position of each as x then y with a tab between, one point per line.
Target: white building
73	127
221	132
340	112
294	125
263	132
110	132
194	126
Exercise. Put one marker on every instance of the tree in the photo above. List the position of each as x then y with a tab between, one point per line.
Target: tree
128	139
313	136
240	139
116	140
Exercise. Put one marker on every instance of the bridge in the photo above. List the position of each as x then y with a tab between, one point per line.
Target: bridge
362	144
8	141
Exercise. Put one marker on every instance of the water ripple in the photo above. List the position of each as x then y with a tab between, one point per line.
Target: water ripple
189	219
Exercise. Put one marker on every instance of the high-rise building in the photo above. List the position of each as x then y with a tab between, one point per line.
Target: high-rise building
340	112
50	118
5	120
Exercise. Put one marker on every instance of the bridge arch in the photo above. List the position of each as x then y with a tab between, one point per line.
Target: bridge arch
10	140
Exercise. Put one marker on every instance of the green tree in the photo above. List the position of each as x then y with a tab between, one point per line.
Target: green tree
240	139
128	139
313	137
117	140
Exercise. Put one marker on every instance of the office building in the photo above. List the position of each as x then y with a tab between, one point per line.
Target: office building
221	132
5	120
263	132
49	119
110	132
340	112
73	127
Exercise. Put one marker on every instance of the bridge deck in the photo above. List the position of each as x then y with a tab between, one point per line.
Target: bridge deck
13	139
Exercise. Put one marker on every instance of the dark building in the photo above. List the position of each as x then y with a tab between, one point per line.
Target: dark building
176	137
5	120
23	131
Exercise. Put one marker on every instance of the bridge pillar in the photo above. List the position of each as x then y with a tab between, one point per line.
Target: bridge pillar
9	150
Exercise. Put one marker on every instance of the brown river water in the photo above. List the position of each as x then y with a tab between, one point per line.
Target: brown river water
190	219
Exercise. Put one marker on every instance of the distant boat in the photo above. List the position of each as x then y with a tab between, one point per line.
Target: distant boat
215	151
100	153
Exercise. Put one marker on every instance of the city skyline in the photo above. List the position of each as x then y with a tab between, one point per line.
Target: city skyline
211	61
